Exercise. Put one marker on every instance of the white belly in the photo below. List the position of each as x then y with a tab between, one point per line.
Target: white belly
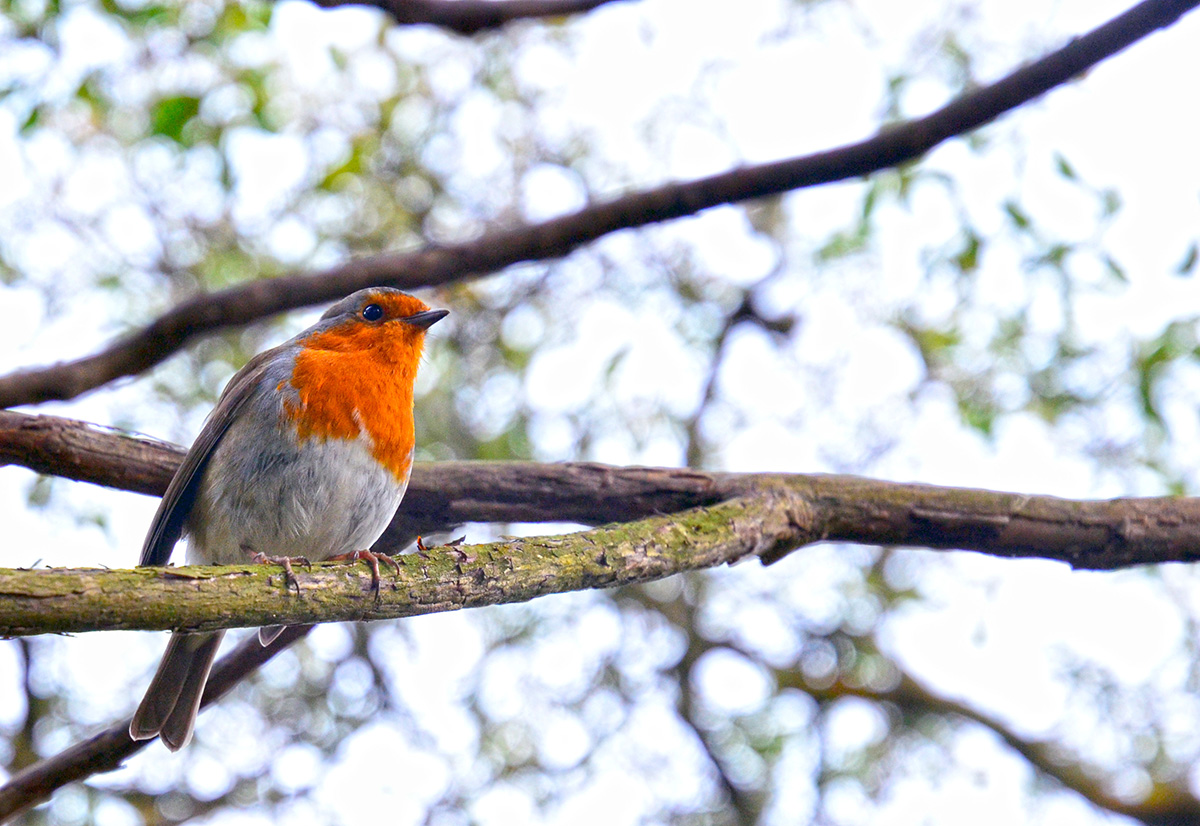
314	498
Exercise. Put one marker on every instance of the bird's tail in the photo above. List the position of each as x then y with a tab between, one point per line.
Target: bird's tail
171	703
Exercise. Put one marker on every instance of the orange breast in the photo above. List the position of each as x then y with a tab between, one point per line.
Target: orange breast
342	392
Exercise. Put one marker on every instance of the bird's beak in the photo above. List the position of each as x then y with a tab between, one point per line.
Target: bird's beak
426	319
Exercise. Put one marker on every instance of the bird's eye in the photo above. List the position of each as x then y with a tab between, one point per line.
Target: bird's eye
372	312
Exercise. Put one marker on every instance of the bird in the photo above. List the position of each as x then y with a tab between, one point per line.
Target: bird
305	456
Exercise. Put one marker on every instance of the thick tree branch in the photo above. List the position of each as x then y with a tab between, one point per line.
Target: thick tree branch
107	750
895	144
440	497
1100	535
87	452
470	16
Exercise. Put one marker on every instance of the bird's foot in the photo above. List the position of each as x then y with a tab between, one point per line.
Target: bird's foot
371	558
286	563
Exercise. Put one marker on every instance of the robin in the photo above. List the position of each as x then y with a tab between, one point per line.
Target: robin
306	456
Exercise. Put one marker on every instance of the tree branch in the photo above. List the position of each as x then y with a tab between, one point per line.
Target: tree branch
107	750
1092	534
470	16
87	452
438	265
203	598
439	498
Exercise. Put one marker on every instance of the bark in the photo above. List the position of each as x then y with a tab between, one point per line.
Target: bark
1091	534
201	598
438	265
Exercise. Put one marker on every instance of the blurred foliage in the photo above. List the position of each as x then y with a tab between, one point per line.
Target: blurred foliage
153	150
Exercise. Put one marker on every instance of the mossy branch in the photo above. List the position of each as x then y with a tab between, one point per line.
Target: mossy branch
760	515
441	579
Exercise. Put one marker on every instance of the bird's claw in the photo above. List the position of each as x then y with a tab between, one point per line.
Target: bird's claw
371	558
286	563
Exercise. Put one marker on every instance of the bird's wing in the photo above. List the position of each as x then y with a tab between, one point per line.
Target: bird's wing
177	502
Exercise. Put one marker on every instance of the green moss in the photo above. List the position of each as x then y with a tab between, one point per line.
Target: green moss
443	578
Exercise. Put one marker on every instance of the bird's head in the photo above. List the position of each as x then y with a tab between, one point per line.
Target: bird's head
377	318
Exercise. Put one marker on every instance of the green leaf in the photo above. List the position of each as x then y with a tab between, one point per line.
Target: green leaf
1016	215
169	116
30	123
353	166
244	17
1064	167
977	413
1150	364
1056	256
255	82
140	15
151	14
868	205
844	243
935	345
967	259
1053	406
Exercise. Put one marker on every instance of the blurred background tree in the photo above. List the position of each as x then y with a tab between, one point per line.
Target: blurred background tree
1015	311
